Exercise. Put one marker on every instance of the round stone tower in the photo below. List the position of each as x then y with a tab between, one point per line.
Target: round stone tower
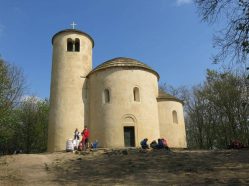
171	120
72	61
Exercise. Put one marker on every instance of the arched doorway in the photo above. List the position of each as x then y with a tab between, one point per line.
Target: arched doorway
129	130
129	136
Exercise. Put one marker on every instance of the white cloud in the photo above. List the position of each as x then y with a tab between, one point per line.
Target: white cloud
182	2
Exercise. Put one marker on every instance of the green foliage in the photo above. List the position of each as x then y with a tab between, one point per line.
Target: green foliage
11	89
219	111
7	133
26	127
33	128
23	124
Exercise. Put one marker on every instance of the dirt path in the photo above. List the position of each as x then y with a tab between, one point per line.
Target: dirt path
127	167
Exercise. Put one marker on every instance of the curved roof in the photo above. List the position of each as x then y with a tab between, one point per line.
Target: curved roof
73	31
167	97
123	62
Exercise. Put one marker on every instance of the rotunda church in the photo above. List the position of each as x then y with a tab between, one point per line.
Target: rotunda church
119	100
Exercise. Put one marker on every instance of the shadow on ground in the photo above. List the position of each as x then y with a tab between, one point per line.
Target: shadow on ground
158	167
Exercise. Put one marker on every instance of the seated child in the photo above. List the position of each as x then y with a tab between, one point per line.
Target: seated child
165	144
153	144
160	144
144	144
94	144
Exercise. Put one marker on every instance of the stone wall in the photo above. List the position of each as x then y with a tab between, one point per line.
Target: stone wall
107	120
173	131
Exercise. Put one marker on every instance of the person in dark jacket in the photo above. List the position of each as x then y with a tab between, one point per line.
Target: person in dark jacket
160	144
153	144
144	144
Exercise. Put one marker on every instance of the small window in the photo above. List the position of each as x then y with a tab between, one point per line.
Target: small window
136	94
69	45
106	96
175	119
77	45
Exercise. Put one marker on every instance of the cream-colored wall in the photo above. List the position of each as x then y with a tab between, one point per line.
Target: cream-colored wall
173	132
68	89
108	119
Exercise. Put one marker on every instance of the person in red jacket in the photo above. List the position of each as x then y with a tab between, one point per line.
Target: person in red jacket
85	136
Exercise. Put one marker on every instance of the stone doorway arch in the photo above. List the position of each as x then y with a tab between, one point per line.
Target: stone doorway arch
130	131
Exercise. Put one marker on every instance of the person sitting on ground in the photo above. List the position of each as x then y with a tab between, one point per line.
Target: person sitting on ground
235	144
144	144
94	145
160	144
165	144
153	144
80	146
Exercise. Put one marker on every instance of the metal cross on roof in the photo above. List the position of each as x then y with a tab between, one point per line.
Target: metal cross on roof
73	25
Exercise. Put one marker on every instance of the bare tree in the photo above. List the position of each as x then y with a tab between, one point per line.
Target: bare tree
232	39
11	89
216	111
11	86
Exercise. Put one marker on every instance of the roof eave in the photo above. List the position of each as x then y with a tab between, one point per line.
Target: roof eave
170	99
137	67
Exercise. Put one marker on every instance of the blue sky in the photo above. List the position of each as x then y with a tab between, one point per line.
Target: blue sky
167	35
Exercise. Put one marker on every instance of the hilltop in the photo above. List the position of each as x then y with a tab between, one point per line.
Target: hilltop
126	167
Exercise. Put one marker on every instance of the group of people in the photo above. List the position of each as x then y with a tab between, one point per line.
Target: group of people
160	144
235	144
84	143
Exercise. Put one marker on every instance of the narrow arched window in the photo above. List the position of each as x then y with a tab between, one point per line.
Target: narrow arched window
136	94
77	45
175	119
106	96
69	45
